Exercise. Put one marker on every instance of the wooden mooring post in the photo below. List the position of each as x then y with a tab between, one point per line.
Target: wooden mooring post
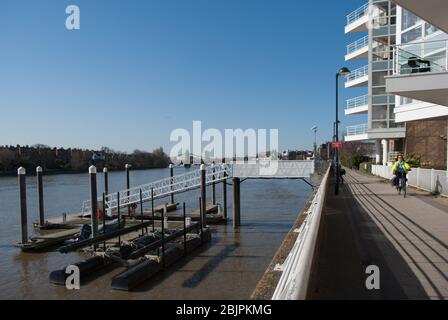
171	182
93	201
106	180
236	203
213	185
40	195
21	172
128	184
203	205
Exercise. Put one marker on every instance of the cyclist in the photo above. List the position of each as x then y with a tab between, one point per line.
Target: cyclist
400	168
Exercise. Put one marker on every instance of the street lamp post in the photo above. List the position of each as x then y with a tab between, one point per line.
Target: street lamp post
314	129
342	72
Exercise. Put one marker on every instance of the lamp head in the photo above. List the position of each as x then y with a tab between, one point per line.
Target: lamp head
344	72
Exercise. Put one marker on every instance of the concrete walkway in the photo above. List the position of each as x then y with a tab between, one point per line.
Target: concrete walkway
369	224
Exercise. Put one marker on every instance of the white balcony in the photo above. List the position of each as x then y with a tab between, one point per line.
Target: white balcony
358	77
357	133
358	49
358	19
421	72
357	105
432	11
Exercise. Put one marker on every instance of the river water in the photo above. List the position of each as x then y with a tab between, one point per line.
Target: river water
229	267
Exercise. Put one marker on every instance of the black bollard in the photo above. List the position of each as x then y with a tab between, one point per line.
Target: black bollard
40	195
236	203
21	172
106	181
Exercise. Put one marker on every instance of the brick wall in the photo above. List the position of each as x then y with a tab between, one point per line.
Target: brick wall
428	140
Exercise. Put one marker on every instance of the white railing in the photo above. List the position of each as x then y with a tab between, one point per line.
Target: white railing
358	44
162	188
357	102
274	169
421	57
358	13
430	180
355	130
358	73
296	269
192	180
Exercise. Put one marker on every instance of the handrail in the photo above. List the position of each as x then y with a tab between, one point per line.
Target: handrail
358	13
358	73
357	102
294	281
358	44
357	129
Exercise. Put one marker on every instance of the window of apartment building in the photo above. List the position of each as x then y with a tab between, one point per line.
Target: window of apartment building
405	100
408	20
412	35
430	29
379	113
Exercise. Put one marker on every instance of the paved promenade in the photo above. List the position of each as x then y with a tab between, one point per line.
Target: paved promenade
369	224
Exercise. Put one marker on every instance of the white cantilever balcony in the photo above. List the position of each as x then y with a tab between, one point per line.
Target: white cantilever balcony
421	71
358	49
358	19
357	105
356	133
358	77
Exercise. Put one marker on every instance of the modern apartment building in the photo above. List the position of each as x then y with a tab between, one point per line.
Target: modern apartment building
420	77
375	22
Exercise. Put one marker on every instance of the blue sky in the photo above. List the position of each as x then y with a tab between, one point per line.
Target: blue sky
136	70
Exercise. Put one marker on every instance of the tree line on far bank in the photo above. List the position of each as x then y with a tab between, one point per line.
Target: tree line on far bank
76	160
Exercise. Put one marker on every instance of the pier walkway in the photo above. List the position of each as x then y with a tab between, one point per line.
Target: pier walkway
369	224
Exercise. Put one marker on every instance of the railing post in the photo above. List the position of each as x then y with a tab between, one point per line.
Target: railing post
185	228
152	209
236	203
40	195
93	201
171	182
203	194
432	185
418	178
21	172
163	235
224	191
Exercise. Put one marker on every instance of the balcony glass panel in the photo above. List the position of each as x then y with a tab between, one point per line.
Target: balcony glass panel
383	99
421	57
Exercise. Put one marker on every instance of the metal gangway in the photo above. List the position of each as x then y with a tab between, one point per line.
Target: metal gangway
262	169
